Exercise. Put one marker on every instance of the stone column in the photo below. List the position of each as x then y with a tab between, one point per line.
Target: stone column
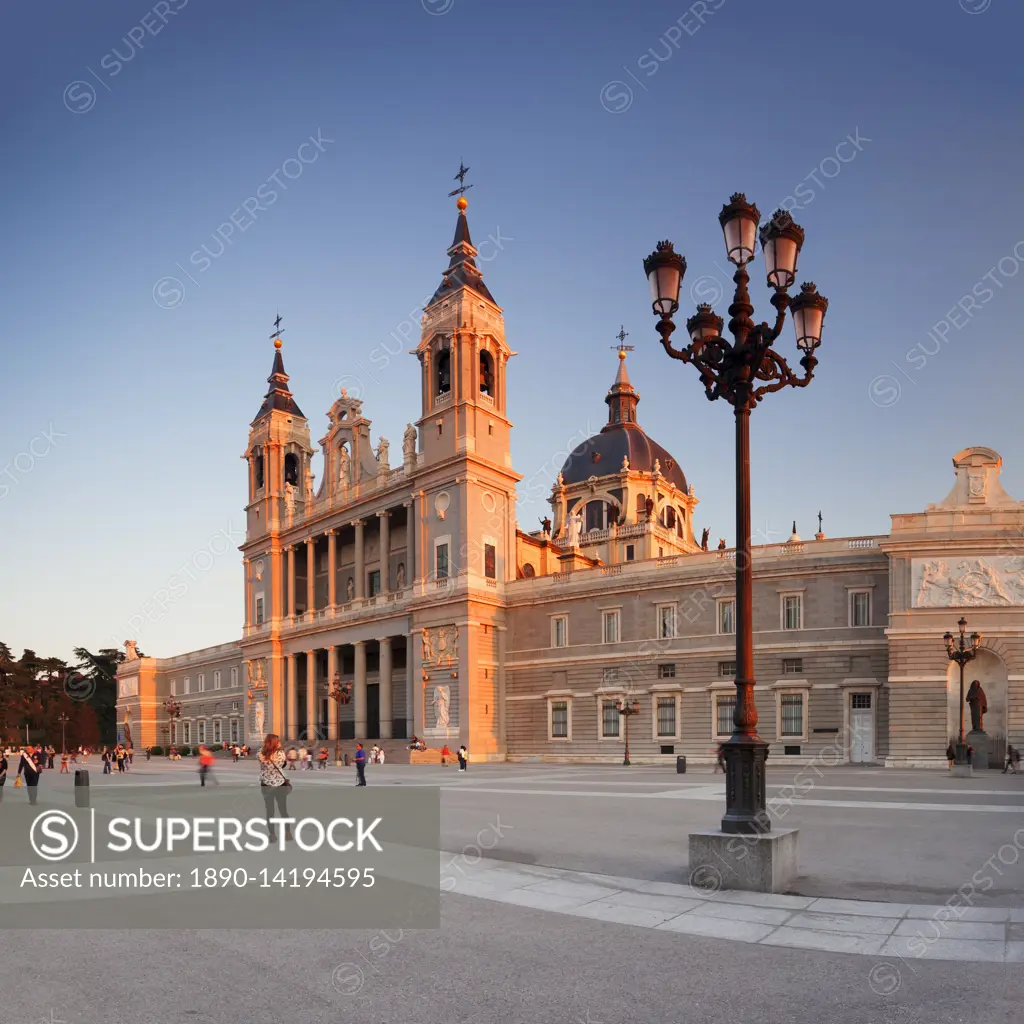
248	593
385	551
332	571
415	712
292	727
385	687
333	708
311	577
359	690
278	587
291	581
274	715
408	685
311	701
360	571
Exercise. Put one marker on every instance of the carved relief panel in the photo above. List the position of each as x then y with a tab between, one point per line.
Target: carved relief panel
990	582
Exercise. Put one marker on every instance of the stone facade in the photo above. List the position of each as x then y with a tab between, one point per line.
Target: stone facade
403	584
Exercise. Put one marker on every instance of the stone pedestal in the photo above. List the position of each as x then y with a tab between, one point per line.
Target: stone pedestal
961	771
755	863
978	739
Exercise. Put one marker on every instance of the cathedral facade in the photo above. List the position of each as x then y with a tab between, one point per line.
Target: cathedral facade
399	597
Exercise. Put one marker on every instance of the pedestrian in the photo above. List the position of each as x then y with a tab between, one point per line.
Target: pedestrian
1012	760
302	757
206	763
119	757
64	769
290	757
322	759
31	765
309	760
234	752
50	755
274	786
106	761
719	760
463	759
361	764
3	770
130	758
446	754
950	754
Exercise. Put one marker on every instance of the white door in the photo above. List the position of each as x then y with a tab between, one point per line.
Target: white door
862	728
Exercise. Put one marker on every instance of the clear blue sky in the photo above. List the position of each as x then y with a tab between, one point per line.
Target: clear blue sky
593	129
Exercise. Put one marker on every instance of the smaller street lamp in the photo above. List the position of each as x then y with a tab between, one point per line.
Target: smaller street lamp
961	650
340	693
173	709
63	718
627	711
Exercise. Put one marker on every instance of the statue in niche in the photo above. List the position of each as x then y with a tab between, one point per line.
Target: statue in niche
649	509
344	467
721	543
442	704
978	704
400	577
704	539
428	645
383	449
310	477
258	718
128	728
289	500
350	588
573	530
409	443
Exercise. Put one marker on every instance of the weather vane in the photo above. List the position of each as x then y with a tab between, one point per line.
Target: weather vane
622	348
278	331
461	179
819	522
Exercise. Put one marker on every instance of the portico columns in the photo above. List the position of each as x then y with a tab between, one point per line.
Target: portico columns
333	708
408	686
293	699
410	542
311	723
385	687
291	581
385	551
248	590
311	578
360	570
415	657
332	573
359	692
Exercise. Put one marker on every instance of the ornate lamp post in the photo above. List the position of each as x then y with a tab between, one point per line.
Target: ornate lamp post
63	718
627	711
742	372
341	694
962	650
173	709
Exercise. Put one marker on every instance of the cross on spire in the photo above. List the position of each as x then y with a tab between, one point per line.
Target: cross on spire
622	348
278	330
461	179
819	522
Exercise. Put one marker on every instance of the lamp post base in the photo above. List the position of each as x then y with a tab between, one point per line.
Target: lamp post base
745	812
755	863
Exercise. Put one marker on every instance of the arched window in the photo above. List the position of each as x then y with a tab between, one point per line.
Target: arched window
257	461
595	515
444	371
641	505
680	519
528	571
669	517
291	469
486	374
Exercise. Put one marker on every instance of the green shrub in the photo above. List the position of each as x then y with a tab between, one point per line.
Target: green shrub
217	747
184	750
156	751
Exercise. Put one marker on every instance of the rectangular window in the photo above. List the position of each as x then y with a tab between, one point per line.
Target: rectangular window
174	687
609	720
727	669
201	681
792	611
725	708
666	671
666	716
860	701
259	611
234	730
792	666
610	627
236	705
216	730
727	616
560	719
186	731
792	714
560	631
441	561
188	685
201	732
610	675
630	552
216	680
860	608
489	570
666	621
234	677
374	583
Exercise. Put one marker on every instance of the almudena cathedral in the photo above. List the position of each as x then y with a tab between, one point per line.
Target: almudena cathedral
404	582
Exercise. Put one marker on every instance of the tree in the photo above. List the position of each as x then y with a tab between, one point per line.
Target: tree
94	682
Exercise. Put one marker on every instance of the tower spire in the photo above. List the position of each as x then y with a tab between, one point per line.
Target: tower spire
622	398
462	270
278	397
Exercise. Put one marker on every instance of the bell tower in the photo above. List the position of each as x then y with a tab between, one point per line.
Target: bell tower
463	357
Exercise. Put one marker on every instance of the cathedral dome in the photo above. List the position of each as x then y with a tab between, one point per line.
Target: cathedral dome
621	437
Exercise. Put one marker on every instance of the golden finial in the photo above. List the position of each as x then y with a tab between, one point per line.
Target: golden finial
278	343
463	187
462	203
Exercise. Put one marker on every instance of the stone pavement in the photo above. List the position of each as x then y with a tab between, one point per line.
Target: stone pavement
884	930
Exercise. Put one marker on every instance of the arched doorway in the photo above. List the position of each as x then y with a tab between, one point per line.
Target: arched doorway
990	670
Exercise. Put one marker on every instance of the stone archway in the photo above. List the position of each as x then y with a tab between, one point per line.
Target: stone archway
990	670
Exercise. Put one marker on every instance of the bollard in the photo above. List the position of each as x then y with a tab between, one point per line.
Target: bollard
346	760
680	765
81	787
